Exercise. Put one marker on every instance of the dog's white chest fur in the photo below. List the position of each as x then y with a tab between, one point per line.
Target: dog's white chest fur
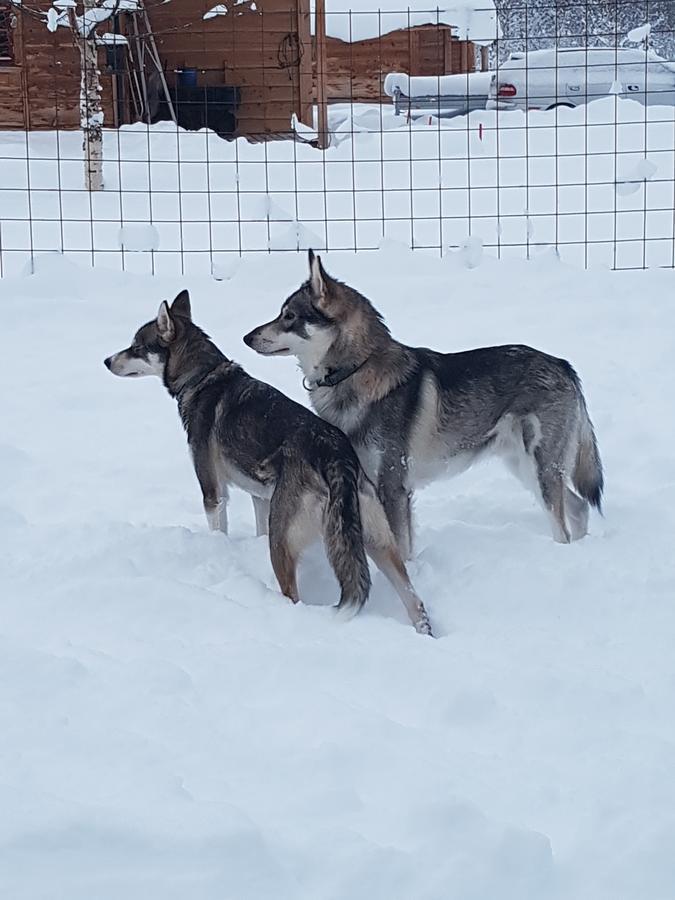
347	419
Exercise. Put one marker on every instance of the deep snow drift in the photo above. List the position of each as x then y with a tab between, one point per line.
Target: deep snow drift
172	728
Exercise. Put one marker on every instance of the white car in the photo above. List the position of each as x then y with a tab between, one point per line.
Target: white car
544	79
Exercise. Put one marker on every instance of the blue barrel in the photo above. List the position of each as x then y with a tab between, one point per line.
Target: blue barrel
187	77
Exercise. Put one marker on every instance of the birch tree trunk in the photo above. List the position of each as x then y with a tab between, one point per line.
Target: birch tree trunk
91	107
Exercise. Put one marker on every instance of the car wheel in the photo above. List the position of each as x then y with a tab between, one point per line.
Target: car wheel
556	105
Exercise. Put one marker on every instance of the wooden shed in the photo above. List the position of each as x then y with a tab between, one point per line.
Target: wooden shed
257	55
357	44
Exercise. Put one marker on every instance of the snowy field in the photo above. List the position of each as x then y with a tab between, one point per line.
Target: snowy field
597	182
172	728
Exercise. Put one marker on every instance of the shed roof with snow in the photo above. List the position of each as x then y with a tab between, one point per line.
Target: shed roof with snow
353	20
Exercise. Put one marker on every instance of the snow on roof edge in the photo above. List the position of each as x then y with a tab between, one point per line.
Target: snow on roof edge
471	20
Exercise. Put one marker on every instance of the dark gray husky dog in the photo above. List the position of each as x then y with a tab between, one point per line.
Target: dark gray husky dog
301	472
413	414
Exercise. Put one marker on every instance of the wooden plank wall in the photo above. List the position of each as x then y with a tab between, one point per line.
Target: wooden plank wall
356	71
12	106
265	51
12	99
47	77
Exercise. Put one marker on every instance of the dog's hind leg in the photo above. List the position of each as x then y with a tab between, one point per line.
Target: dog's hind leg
285	564
534	458
577	510
261	508
294	522
382	549
553	489
214	494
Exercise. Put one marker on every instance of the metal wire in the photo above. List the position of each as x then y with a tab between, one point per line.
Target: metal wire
597	184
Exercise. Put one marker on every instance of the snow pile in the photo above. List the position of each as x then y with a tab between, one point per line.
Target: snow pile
109	39
172	728
139	238
640	34
52	20
473	20
470	84
219	10
631	181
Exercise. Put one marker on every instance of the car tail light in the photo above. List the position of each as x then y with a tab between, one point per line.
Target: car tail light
507	90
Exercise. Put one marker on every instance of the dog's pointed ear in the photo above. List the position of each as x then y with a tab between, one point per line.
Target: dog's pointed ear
165	326
181	306
316	274
319	282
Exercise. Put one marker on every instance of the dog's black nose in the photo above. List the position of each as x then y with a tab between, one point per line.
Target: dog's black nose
248	338
107	362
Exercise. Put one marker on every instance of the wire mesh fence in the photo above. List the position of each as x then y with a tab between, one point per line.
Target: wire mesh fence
259	126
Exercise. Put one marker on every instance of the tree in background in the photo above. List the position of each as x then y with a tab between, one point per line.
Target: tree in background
83	19
536	24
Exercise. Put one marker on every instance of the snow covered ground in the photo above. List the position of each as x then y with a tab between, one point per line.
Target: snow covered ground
597	182
172	728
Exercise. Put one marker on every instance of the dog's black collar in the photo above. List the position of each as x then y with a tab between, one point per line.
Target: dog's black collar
333	377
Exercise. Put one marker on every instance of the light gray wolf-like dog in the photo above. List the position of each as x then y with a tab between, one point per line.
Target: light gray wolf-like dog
302	473
413	414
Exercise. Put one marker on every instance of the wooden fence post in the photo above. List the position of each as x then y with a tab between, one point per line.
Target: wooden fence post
320	37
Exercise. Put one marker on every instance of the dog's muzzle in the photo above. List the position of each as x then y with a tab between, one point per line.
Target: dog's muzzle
263	345
108	363
249	339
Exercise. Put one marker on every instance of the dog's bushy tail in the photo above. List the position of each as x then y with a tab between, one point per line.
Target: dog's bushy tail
343	534
587	477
